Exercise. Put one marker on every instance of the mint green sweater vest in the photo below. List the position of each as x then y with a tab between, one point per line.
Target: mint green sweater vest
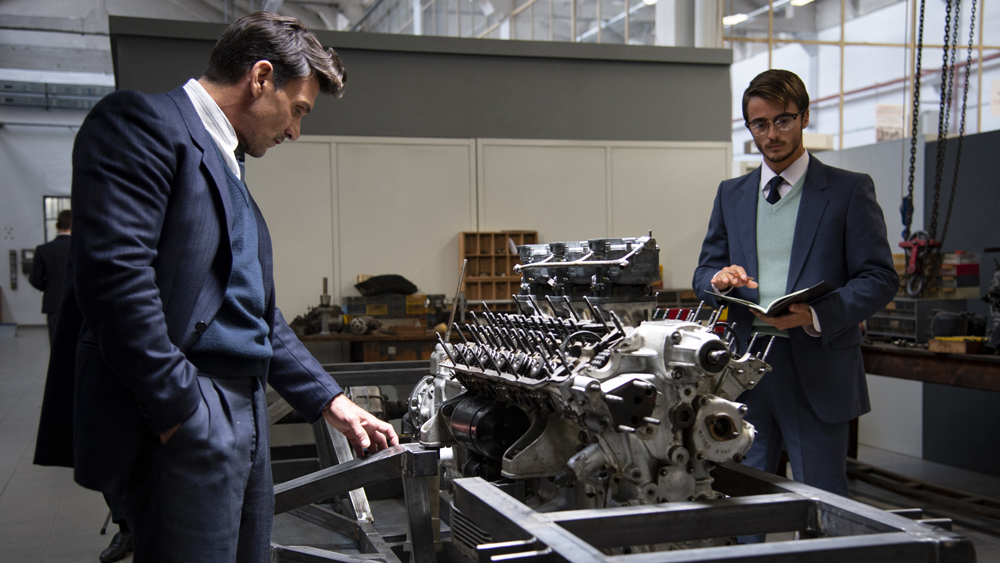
775	231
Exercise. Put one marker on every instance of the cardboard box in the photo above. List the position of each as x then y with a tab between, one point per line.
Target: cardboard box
960	257
958	281
960	269
953	293
956	345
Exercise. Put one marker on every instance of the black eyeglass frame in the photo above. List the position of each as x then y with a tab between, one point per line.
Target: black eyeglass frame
750	124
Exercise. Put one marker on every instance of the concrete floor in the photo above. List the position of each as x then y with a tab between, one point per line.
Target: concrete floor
46	517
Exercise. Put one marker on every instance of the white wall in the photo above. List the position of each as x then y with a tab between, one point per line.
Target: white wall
896	422
575	190
35	161
342	206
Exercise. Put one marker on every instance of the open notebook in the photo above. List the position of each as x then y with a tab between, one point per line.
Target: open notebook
780	305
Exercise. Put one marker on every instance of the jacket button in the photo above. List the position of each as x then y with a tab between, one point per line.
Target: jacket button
200	327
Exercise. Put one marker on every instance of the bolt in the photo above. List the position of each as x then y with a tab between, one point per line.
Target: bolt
663	472
677	337
703	401
700	456
751	383
636	474
743	409
737	458
677	373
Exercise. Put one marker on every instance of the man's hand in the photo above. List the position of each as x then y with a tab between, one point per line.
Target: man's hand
164	436
799	314
361	428
732	276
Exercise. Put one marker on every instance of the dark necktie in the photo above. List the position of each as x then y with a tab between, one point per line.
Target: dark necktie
240	159
773	195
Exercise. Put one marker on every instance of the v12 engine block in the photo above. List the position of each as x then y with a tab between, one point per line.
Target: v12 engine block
589	397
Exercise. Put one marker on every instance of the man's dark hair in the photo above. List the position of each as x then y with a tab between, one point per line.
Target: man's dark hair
285	42
64	221
779	86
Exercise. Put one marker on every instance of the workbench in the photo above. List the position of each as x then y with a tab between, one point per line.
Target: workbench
382	347
972	371
960	401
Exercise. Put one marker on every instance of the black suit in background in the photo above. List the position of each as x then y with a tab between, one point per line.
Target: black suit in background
48	275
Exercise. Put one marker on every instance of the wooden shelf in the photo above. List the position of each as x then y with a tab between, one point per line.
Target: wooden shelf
490	272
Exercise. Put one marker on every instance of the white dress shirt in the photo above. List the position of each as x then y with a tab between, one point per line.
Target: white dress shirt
791	175
216	123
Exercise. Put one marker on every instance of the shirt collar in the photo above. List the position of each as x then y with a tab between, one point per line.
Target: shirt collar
216	123
791	175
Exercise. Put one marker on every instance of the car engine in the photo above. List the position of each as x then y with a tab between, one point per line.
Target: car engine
589	396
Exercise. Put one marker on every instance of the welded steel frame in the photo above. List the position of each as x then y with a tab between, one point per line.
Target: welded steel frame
759	503
411	461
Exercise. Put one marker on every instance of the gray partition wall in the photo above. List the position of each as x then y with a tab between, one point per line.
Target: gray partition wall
410	86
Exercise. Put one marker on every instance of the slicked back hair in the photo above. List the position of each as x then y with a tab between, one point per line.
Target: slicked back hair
285	42
779	86
64	221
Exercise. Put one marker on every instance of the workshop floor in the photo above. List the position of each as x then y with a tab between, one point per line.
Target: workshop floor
46	517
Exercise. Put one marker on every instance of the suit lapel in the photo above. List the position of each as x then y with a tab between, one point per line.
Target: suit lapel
747	220
811	208
209	152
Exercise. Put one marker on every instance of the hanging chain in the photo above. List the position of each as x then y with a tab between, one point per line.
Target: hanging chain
943	115
908	201
961	127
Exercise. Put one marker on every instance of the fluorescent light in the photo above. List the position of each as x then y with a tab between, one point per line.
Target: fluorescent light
734	19
801	2
649	2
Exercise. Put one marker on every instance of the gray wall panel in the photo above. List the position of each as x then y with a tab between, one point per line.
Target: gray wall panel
959	427
443	87
973	226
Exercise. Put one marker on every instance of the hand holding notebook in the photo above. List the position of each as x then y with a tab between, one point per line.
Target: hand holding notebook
779	305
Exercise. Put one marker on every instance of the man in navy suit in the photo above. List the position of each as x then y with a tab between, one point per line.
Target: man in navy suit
173	279
48	271
786	226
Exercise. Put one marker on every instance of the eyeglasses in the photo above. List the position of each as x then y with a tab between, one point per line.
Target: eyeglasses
783	122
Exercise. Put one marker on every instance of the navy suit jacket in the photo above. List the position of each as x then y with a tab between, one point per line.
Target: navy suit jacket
48	272
151	259
840	238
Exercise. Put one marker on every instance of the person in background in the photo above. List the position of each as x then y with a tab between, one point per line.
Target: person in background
48	272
